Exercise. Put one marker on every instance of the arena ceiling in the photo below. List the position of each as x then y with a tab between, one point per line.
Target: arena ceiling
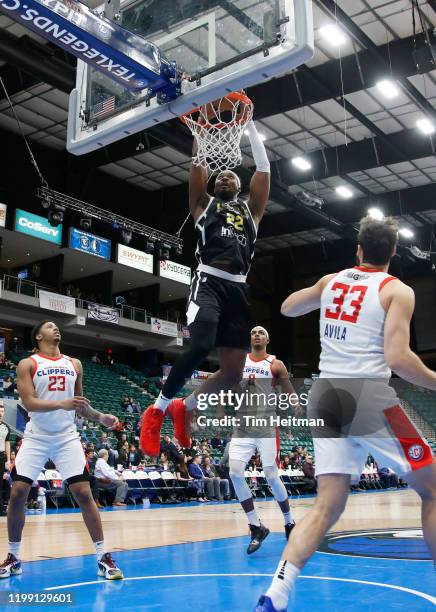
330	111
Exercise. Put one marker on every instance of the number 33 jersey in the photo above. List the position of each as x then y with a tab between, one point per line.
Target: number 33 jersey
352	325
53	379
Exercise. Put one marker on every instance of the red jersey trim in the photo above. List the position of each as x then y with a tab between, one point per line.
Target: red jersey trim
363	269
50	358
251	358
386	281
35	366
416	450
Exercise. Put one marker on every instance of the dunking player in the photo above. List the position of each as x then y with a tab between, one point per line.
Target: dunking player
50	387
364	323
217	313
263	375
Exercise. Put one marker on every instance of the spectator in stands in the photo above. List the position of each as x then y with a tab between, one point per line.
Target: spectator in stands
286	463
200	481
204	448
168	447
106	445
176	443
122	440
125	403
110	480
165	463
80	421
221	488
9	386
136	407
91	461
309	475
185	479
134	455
123	455
216	442
95	358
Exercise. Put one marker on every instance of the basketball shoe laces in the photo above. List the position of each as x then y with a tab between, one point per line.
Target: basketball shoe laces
9	559
107	559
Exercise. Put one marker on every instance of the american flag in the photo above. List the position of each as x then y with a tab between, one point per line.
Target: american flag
102	108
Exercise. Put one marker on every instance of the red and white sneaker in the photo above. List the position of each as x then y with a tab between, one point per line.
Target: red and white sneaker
177	412
151	425
108	568
10	567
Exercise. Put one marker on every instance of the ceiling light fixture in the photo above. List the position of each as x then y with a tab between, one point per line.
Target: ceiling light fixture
333	35
301	163
388	88
406	232
376	213
344	192
425	125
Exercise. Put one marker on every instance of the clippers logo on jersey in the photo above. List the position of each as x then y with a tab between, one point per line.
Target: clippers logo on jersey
351	325
250	370
56	371
53	379
416	452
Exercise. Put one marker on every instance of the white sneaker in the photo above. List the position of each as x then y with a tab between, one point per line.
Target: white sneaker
10	567
108	569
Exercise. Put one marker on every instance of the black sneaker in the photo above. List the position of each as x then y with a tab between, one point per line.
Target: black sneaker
258	534
288	528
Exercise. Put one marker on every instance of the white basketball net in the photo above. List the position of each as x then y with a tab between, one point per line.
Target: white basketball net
217	127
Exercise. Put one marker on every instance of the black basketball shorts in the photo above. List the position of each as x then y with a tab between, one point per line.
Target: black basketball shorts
224	306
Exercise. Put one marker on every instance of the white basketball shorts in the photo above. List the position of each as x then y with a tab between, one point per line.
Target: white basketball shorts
65	450
375	423
242	449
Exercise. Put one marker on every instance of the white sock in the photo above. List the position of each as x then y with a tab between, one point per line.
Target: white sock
100	549
283	581
162	402
14	549
191	402
287	516
253	519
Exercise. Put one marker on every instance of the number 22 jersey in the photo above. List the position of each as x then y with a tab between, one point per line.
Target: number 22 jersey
352	325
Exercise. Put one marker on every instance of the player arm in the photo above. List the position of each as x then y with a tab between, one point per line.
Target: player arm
8	451
399	357
279	370
306	300
198	196
87	411
26	389
260	183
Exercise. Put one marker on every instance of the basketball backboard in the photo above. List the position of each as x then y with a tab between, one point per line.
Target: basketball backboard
220	46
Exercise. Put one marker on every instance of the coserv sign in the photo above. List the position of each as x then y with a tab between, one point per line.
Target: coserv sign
39	227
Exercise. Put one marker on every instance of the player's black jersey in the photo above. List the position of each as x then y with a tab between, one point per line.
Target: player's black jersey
226	235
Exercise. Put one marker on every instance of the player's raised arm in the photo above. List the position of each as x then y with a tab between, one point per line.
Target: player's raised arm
27	393
306	300
198	196
399	357
260	183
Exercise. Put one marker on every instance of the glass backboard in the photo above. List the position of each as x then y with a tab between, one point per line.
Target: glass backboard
220	46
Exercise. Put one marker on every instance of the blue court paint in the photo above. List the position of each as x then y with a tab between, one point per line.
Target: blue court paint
218	575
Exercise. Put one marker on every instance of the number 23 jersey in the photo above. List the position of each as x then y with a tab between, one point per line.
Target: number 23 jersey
352	325
53	379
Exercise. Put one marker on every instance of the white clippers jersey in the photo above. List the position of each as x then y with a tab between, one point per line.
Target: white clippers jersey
53	379
258	368
352	325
